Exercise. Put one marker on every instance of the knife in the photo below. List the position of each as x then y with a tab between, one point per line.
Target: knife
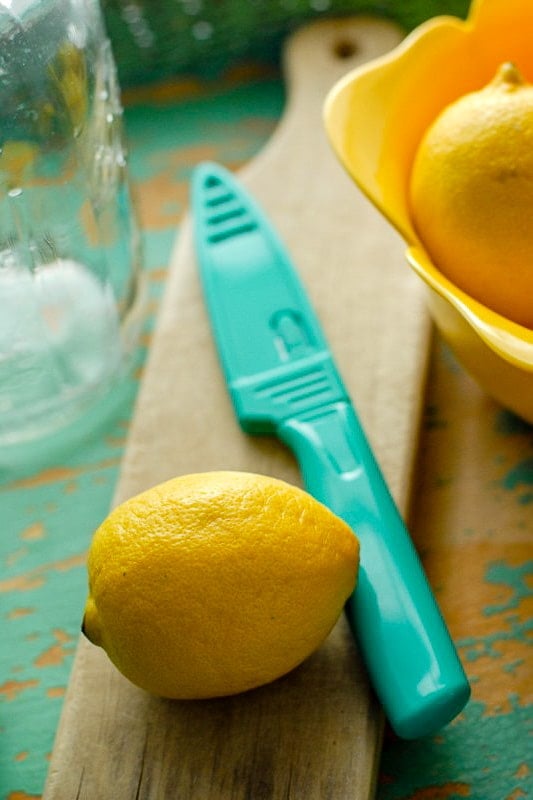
283	381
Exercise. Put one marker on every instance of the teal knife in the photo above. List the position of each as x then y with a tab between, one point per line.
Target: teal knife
283	381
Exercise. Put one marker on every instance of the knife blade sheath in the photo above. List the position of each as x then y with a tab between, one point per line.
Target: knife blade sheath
283	381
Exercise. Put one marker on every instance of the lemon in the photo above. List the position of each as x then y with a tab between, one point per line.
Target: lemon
471	194
214	583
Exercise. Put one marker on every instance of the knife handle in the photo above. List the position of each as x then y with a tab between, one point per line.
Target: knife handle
410	657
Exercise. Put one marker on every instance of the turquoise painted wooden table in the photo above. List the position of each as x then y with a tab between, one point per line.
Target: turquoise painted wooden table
52	498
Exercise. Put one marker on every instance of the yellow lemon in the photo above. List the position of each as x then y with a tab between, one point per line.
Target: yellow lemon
471	194
214	583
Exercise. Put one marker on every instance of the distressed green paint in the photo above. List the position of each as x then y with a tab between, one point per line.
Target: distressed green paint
513	627
474	648
519	476
515	578
484	753
237	121
38	647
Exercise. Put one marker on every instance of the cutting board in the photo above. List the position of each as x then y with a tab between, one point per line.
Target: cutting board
316	733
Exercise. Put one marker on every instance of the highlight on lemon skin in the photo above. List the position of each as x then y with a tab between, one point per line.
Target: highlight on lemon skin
216	583
471	194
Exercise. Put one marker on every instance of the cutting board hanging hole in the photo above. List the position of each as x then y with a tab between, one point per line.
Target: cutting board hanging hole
345	48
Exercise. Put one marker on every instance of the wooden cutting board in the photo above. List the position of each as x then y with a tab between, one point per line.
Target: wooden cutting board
316	733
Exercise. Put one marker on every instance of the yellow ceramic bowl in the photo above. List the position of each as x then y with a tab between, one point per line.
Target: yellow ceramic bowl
375	117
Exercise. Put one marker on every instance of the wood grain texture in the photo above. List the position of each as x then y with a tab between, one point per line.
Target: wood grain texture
316	733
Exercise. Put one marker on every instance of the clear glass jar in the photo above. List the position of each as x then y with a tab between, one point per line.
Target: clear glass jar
70	261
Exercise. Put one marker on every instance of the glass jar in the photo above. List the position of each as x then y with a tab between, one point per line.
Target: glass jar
70	258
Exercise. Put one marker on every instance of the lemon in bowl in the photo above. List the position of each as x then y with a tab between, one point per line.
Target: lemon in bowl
377	118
